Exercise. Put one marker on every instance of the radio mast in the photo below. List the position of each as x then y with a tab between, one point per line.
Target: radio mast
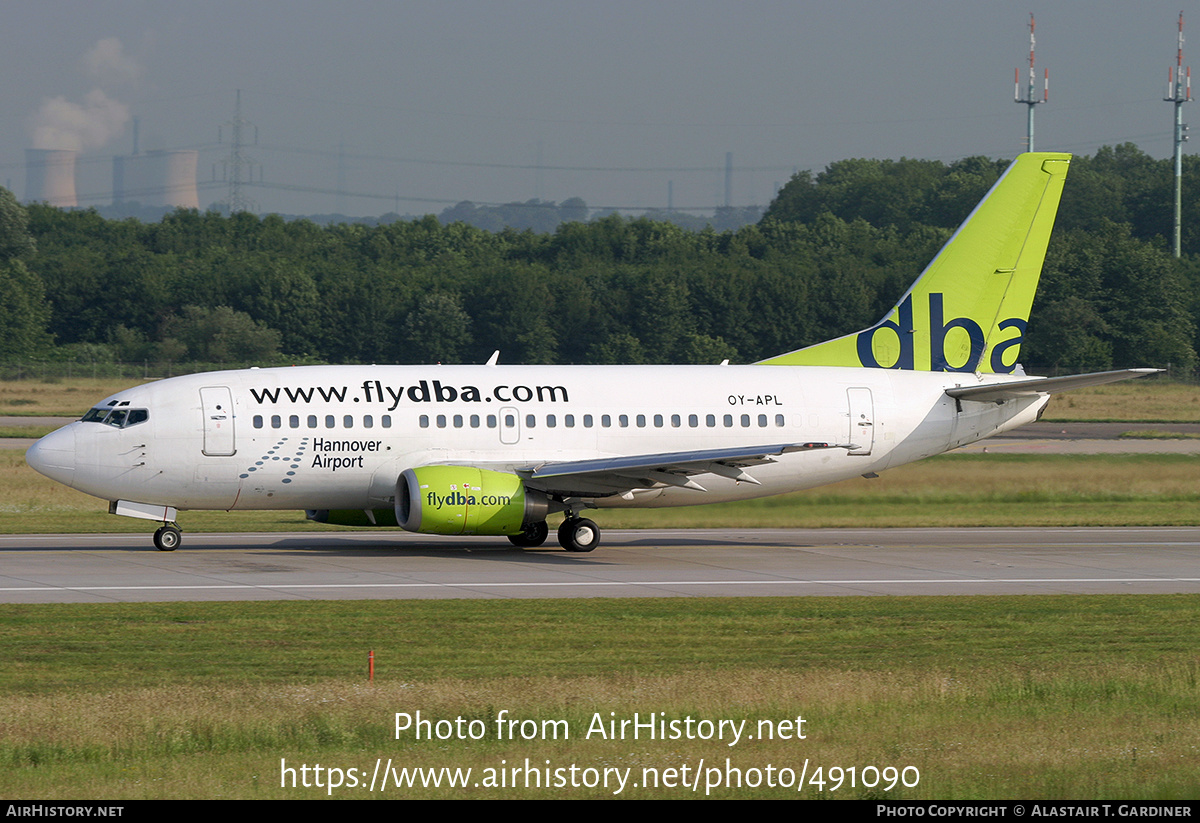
1179	91
1031	98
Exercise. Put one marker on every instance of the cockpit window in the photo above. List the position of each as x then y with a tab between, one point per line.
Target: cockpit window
118	418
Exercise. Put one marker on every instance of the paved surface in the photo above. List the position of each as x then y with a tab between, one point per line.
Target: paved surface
1090	438
36	421
24	443
671	563
1095	431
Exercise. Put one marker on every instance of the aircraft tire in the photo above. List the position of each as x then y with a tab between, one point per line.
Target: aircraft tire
578	534
168	538
534	535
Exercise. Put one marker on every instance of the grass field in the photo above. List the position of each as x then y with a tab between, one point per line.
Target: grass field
1027	697
1145	400
66	398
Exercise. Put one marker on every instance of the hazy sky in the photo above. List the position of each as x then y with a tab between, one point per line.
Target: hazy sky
418	105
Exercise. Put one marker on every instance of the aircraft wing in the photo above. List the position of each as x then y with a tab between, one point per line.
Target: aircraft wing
616	475
997	392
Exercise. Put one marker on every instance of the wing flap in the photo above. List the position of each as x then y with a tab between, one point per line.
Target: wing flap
613	475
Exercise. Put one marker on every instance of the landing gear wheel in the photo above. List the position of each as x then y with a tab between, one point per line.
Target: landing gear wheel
168	538
533	536
578	534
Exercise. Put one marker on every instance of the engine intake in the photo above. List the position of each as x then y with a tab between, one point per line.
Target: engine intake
466	500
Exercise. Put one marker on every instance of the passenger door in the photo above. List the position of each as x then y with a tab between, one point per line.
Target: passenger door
862	420
216	404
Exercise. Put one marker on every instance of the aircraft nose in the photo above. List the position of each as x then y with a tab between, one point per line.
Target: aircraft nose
54	455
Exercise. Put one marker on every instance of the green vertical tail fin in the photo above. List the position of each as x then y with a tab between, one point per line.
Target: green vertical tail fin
968	310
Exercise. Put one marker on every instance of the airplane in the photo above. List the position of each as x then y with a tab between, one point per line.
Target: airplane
494	450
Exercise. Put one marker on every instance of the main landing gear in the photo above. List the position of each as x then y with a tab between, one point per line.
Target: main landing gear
168	537
533	536
576	534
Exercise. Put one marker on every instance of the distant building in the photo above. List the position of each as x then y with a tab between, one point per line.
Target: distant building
157	178
50	177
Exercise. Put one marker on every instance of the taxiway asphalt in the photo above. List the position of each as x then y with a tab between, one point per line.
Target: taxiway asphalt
660	563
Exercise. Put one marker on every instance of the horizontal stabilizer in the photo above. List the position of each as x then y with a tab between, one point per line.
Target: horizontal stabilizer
995	392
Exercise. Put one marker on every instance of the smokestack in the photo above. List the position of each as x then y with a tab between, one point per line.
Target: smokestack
50	177
157	178
728	179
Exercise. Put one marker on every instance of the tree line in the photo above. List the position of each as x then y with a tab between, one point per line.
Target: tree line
831	255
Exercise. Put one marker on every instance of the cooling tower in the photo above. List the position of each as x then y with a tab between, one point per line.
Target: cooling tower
50	177
157	178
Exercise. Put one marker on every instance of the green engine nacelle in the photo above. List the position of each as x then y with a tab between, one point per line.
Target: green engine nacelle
466	500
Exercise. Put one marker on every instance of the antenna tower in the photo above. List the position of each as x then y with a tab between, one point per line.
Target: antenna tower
239	166
1179	91
1031	97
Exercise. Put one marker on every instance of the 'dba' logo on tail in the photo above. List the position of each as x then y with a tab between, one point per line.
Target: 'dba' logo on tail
968	310
957	344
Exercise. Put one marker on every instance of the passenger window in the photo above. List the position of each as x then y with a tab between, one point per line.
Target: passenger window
312	421
710	420
276	421
641	421
587	421
569	421
474	421
676	421
762	421
745	421
294	421
387	421
441	421
329	421
258	421
606	421
368	421
423	421
693	420
458	421
658	421
728	420
551	421
491	421
779	420
530	421
348	421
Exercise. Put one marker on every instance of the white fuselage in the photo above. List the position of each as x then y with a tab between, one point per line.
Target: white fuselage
337	437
